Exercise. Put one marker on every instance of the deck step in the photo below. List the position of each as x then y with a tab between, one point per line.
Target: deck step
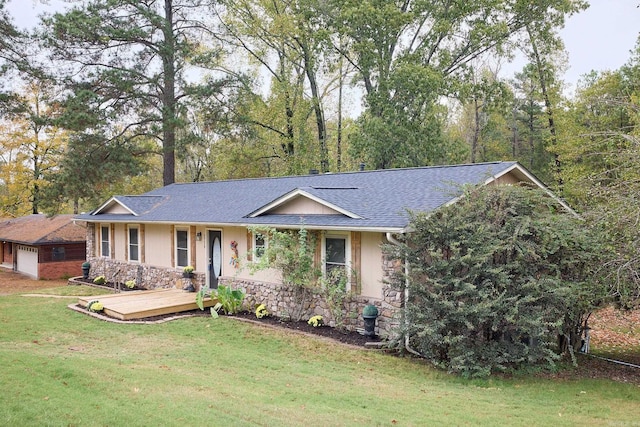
140	304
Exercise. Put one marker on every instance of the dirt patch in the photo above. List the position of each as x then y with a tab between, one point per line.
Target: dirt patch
14	283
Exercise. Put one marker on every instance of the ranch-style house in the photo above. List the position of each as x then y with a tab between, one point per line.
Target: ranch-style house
151	237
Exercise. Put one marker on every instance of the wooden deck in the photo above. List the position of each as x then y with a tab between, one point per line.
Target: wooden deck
141	304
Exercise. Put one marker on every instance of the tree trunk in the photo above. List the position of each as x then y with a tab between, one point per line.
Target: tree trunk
168	98
317	108
476	130
548	106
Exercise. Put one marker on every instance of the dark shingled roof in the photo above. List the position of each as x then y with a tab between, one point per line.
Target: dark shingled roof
39	230
380	199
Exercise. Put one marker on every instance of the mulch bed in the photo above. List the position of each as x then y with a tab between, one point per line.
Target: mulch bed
345	337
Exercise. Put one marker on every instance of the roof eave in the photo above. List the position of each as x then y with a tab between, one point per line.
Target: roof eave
381	229
537	182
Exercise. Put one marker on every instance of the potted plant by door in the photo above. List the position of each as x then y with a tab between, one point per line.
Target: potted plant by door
187	272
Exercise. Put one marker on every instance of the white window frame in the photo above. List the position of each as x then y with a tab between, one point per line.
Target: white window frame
130	228
265	244
103	241
347	253
178	249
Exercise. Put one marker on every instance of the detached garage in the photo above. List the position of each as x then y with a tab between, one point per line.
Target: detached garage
42	247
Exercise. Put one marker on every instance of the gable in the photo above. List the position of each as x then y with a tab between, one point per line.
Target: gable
129	205
115	208
309	201
301	205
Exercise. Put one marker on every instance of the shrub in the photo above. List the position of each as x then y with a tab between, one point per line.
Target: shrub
130	284
334	291
495	279
100	280
315	321
95	306
261	311
229	300
292	253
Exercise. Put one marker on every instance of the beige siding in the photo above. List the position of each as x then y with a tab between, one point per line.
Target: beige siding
119	243
201	256
158	245
371	274
116	208
303	206
508	178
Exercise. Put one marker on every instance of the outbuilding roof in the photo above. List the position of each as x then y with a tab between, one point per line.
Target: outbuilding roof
40	229
365	200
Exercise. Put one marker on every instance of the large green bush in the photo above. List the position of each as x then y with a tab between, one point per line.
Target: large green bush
499	280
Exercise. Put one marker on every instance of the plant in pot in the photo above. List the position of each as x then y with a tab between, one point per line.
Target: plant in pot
187	271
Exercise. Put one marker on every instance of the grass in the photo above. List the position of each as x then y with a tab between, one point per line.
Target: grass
75	290
62	368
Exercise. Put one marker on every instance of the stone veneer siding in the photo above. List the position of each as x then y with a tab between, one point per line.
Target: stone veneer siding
146	276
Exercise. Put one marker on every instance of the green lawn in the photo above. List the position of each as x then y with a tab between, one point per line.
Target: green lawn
62	368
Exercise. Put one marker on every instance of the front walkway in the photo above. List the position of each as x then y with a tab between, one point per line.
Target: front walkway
141	304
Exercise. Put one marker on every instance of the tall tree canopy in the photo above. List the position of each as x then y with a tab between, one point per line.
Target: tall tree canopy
126	65
290	47
30	148
601	167
410	54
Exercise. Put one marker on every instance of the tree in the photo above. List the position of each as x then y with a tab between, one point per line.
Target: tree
125	63
31	147
288	43
530	127
411	54
12	57
481	118
543	45
601	168
496	278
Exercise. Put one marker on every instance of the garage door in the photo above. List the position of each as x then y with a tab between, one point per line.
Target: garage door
27	261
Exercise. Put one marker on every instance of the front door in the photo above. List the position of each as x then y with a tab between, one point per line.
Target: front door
215	257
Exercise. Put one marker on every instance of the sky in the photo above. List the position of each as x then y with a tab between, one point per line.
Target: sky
600	38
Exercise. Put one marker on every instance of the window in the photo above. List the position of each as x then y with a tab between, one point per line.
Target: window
259	245
182	248
105	246
335	256
57	253
134	244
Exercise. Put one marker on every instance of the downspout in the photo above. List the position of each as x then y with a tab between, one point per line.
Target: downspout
407	346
